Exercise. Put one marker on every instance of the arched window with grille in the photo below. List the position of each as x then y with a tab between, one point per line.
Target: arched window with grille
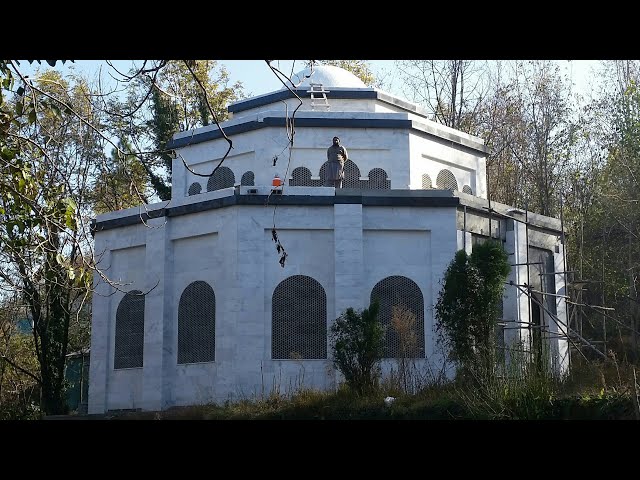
426	182
467	189
248	179
195	188
301	177
129	341
299	319
351	174
223	178
197	324
401	296
378	179
446	180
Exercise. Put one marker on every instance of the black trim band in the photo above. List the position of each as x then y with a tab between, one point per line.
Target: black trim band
280	95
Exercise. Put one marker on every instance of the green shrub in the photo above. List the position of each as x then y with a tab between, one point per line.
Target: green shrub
357	347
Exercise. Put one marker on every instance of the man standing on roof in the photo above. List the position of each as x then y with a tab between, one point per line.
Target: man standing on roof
336	156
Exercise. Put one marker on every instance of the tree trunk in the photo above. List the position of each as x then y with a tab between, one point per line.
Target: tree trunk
54	401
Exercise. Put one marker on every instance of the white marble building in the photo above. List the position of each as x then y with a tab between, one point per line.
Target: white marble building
223	320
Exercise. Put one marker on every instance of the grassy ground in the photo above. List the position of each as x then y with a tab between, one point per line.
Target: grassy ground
594	391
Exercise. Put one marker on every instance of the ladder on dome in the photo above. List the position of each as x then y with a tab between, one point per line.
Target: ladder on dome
320	101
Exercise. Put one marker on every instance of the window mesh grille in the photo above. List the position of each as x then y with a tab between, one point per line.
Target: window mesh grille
248	179
195	188
467	189
400	291
446	180
351	174
223	178
129	341
299	319
301	177
377	179
323	172
426	182
197	324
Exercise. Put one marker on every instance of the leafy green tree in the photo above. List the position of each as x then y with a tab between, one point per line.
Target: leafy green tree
52	170
121	181
180	102
19	389
357	347
46	159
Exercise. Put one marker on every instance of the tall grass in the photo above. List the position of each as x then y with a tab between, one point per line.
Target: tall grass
520	391
533	390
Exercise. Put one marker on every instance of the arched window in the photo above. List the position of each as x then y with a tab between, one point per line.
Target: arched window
426	182
378	179
401	296
299	319
197	324
129	342
446	180
223	178
248	179
351	174
300	177
467	189
195	188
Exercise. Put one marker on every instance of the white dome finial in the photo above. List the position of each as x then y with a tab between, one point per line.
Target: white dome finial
326	75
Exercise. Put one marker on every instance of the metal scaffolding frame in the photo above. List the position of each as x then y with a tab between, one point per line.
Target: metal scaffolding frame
570	328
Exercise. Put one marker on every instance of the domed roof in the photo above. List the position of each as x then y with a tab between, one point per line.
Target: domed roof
328	76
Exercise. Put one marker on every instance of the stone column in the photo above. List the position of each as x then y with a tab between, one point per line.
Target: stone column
179	186
99	355
516	302
247	299
445	241
156	316
560	345
349	267
349	264
464	241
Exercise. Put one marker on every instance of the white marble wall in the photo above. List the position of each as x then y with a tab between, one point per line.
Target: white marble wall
430	157
426	258
346	248
199	247
254	151
404	154
100	366
310	245
285	107
124	266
